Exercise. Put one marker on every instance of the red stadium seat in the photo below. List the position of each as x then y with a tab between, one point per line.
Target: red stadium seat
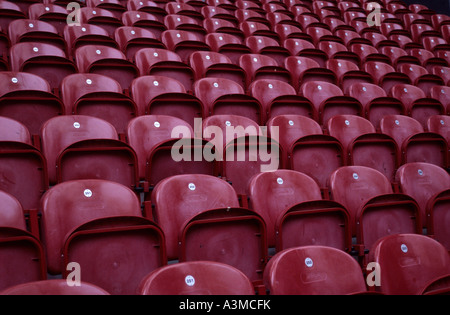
443	72
427	259
107	61
100	17
304	69
267	46
10	11
185	23
385	75
71	228
114	6
225	96
289	271
28	30
414	144
152	20
227	44
196	278
131	38
305	48
163	62
183	43
348	73
420	77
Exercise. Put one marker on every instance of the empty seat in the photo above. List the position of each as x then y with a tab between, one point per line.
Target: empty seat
373	207
428	60
144	133
217	65
132	38
259	66
100	96
185	23
399	56
12	130
151	7
227	44
272	194
183	43
363	146
151	19
163	62
114	6
107	61
25	254
289	272
45	60
368	53
442	94
385	75
28	98
422	181
208	224
347	73
226	96
251	28
304	69
10	11
100	17
54	287
335	50
183	9
85	147
420	77
267	46
415	144
443	72
196	278
439	124
427	259
71	227
375	102
304	48
161	95
416	102
28	30
329	100
84	34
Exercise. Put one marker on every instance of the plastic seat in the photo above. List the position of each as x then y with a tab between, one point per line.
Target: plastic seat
267	46
183	43
150	7
131	38
186	23
286	31
227	44
216	12
160	95
375	102
416	102
304	69
163	62
99	96
440	19
428	59
423	182
197	278
443	72
272	194
435	43
114	6
10	11
422	30
183	9
325	264
414	144
438	124
172	210
15	100
427	259
347	73
12	130
399	56
71	227
107	61
320	34
442	94
278	97
207	224
28	30
335	50
71	144
220	23
84	34
329	100
151	20
214	64
385	75
26	258
100	17
305	48
53	287
44	60
373	207
251	28
363	146
144	133
259	66
420	77
368	53
247	156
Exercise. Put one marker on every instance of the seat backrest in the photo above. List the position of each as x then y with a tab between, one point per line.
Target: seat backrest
209	90
12	130
87	55
347	128
54	287
73	203
422	181
146	132
291	272
22	81
442	94
22	52
266	91
60	132
178	198
271	193
200	61
408	262
352	186
366	92
22	27
196	278
400	127
252	62
439	124
318	91
11	214
145	88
